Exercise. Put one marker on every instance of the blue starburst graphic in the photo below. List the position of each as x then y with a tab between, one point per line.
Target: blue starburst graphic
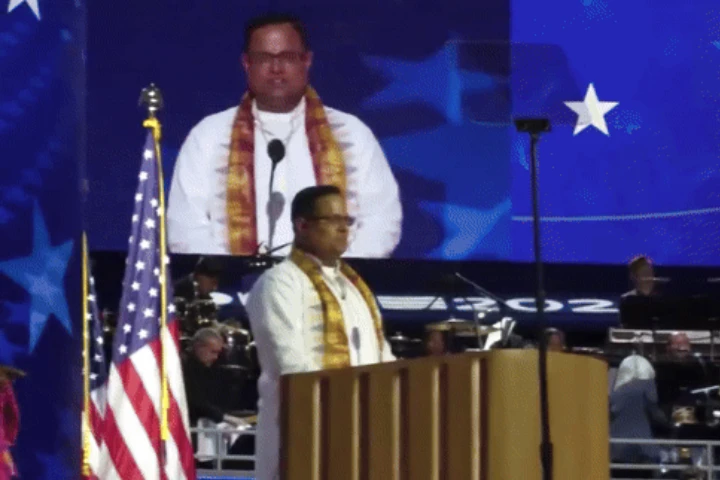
437	80
42	274
466	226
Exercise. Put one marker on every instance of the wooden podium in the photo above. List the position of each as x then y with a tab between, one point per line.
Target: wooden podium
461	417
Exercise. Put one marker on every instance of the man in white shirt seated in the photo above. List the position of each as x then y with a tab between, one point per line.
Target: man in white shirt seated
220	200
310	312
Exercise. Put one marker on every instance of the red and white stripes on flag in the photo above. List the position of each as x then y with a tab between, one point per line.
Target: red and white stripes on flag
133	447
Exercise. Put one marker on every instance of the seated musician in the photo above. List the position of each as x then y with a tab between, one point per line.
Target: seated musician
642	277
203	281
435	343
203	386
555	340
634	411
678	347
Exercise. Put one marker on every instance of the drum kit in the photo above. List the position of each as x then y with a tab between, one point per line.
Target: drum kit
240	352
449	336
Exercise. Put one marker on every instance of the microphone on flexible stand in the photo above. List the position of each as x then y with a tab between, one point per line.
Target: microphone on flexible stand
276	202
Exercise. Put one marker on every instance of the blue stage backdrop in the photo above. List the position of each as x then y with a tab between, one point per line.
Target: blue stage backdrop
631	88
42	143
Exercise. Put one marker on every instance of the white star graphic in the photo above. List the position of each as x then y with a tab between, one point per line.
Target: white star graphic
144	245
33	4
142	334
591	111
148	154
122	349
127	328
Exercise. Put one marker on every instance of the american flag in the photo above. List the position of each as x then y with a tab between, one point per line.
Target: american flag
97	367
133	445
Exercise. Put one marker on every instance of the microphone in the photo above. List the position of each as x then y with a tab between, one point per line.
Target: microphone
276	151
503	307
276	202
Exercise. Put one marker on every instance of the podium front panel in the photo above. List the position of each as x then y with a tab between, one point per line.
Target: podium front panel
470	416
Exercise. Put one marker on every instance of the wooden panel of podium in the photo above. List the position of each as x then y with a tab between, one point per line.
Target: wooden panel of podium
470	416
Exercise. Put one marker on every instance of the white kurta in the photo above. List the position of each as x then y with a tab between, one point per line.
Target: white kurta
197	219
286	320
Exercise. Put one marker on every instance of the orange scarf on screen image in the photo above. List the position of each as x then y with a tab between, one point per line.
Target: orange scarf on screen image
327	158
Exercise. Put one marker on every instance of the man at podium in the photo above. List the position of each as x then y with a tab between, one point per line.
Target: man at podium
310	312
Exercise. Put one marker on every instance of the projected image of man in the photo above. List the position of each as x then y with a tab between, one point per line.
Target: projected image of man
237	169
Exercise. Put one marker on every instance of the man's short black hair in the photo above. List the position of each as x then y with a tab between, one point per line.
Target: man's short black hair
209	266
303	205
637	263
275	19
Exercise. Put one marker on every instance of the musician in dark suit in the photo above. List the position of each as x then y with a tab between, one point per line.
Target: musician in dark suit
204	280
642	277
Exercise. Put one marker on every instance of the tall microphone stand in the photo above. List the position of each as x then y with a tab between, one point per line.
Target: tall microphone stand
536	126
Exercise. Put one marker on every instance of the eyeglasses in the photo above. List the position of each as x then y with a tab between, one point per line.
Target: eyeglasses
336	220
285	58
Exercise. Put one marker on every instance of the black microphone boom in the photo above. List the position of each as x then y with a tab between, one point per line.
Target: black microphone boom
276	152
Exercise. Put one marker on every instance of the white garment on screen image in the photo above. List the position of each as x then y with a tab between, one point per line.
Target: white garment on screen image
197	218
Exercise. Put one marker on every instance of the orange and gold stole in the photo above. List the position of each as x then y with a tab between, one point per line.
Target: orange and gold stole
327	158
336	351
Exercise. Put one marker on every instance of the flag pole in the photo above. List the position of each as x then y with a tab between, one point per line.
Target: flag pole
151	97
86	363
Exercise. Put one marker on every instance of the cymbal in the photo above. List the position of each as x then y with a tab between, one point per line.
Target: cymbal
399	337
460	327
232	329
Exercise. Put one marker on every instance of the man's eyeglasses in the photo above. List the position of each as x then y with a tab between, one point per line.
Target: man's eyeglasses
266	58
336	220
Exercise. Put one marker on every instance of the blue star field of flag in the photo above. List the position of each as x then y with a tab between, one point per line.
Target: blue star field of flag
631	88
96	341
41	81
139	316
